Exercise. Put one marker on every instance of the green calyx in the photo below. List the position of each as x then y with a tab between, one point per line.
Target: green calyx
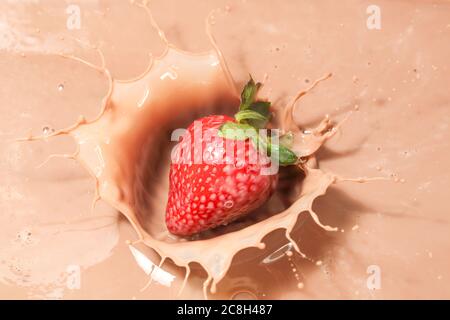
253	115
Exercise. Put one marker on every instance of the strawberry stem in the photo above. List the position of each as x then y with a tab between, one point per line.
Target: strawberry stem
252	115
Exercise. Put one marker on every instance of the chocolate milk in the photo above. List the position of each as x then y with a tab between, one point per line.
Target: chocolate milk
109	142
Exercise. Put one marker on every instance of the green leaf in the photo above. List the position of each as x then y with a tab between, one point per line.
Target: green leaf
285	156
236	131
249	115
248	97
287	139
248	94
263	108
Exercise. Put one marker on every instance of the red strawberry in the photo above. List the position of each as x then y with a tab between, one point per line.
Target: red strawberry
216	178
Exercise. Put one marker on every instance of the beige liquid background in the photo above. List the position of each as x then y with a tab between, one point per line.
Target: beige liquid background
396	80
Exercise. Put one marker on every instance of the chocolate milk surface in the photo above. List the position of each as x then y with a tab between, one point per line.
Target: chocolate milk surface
91	93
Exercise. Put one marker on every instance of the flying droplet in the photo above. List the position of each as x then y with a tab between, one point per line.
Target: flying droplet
279	253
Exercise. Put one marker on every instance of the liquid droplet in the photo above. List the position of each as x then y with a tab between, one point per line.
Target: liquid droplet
60	87
278	254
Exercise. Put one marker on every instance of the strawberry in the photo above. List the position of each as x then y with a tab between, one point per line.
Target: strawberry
220	168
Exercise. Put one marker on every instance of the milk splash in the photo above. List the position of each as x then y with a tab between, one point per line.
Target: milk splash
120	150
